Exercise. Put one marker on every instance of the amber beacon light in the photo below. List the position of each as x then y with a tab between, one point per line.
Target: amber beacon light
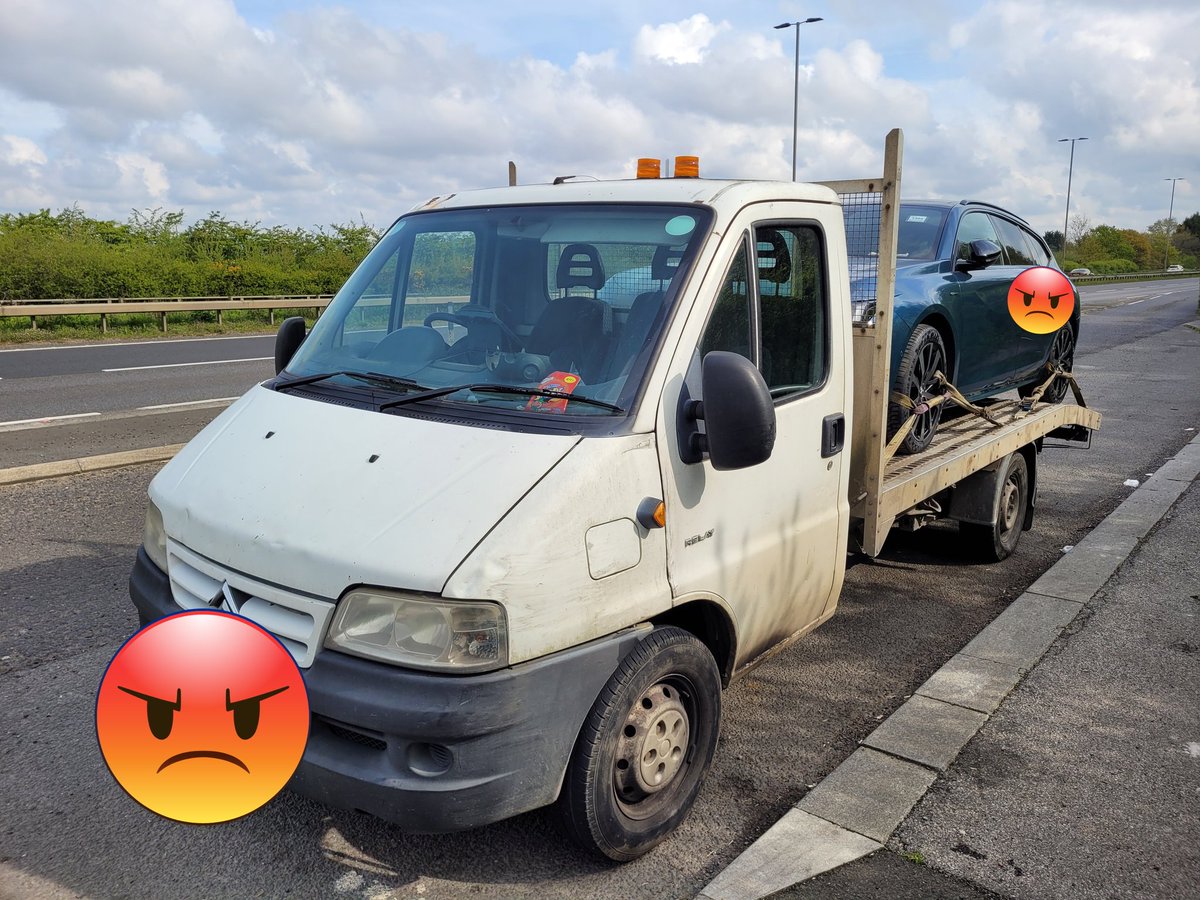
687	167
649	168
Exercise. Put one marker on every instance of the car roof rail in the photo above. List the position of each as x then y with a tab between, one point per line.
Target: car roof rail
1007	212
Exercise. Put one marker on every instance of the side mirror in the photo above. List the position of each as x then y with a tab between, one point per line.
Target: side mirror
738	415
287	341
983	254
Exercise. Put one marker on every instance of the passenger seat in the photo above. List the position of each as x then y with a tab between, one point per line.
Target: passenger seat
574	331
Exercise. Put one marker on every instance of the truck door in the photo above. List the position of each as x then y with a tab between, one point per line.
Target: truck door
768	540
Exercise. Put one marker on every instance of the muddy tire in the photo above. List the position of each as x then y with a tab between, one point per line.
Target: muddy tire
998	541
645	747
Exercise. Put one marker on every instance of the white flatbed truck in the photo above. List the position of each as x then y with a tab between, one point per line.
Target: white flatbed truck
519	523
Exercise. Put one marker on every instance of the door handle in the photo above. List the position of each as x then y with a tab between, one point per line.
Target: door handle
833	435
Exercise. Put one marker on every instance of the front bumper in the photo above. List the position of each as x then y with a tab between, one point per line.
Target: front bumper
431	752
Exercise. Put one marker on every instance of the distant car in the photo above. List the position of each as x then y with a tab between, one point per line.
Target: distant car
955	265
1080	271
1175	268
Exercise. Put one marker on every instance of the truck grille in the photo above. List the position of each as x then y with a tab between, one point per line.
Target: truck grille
199	583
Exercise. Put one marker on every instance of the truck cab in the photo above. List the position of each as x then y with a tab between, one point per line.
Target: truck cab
500	463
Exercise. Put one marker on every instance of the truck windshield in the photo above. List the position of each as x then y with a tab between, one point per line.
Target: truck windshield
549	309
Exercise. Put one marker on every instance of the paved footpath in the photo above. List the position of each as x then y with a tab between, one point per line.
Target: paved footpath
1057	755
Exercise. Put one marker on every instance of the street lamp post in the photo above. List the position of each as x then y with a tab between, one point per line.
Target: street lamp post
1070	170
1170	217
796	92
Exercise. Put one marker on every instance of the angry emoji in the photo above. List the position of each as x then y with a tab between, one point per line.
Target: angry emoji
202	716
1041	300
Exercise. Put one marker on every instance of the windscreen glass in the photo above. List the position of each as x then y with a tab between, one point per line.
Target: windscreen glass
546	310
920	231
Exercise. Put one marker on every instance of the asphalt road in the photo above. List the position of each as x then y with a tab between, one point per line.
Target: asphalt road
88	379
83	379
68	829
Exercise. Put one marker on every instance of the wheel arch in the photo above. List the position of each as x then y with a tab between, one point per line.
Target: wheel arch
1030	452
712	624
941	324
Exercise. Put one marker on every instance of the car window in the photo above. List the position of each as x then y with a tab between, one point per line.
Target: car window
792	301
975	226
440	274
1012	241
1041	256
729	324
920	228
792	309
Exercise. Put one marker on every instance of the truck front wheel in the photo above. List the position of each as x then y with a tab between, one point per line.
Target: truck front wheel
643	752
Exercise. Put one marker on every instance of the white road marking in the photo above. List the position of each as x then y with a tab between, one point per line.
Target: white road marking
189	403
50	418
145	343
206	362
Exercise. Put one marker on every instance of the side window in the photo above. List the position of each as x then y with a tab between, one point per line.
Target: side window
1012	239
729	325
1041	256
788	296
440	274
973	227
792	303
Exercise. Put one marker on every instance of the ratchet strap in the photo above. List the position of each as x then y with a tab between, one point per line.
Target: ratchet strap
949	392
1029	402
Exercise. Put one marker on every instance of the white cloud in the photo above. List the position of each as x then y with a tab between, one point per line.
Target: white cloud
140	175
323	113
679	43
18	151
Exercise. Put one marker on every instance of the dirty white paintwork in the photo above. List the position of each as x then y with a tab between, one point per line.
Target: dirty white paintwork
540	523
767	539
613	547
535	561
306	510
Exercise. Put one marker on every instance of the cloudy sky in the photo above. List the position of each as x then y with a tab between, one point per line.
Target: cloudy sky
310	112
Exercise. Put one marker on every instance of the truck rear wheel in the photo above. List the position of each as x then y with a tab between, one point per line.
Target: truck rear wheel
998	541
643	752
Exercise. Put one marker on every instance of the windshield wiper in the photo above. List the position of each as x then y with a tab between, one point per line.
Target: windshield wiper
380	377
489	388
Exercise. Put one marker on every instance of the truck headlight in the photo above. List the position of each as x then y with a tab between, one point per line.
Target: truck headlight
154	536
420	632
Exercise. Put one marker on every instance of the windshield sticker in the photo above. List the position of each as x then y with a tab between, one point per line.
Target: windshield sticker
557	383
680	225
916	218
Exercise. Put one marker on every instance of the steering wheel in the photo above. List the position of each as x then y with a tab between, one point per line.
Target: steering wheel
468	316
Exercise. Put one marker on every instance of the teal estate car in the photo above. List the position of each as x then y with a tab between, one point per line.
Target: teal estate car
955	263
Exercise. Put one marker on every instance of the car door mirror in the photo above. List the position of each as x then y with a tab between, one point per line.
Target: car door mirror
288	341
983	254
737	411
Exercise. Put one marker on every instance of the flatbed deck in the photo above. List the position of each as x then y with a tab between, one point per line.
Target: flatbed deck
962	447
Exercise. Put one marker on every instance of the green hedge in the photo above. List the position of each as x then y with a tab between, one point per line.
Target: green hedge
72	256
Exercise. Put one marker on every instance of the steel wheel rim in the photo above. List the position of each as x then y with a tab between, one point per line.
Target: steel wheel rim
654	748
1009	505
